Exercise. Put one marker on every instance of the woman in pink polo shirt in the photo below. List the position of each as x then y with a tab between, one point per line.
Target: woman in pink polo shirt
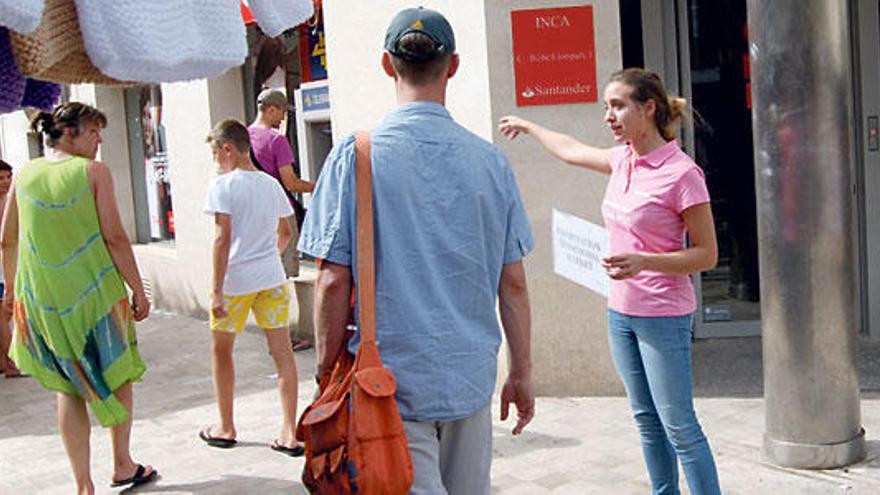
656	194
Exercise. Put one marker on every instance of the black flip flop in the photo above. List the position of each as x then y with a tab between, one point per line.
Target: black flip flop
297	451
220	443
138	478
301	345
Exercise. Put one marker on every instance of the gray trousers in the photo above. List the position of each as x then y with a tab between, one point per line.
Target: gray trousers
451	457
290	256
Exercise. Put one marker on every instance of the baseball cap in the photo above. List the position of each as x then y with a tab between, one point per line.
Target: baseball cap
420	20
274	98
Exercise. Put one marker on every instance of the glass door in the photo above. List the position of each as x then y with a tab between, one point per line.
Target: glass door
717	66
700	49
867	81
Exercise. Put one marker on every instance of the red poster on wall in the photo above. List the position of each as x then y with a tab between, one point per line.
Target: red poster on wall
554	56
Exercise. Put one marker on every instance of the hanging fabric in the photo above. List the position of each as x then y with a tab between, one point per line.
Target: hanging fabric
163	40
21	16
276	16
43	95
54	51
12	83
17	91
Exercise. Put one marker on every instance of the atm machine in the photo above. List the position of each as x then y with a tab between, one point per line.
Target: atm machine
313	130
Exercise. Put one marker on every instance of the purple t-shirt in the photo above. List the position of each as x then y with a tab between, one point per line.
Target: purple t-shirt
271	149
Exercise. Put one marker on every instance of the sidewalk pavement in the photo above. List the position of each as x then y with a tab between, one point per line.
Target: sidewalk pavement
574	445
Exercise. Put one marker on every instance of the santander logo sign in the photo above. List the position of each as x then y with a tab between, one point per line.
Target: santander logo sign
554	56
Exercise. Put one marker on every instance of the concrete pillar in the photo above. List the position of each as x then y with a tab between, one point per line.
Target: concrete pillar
803	131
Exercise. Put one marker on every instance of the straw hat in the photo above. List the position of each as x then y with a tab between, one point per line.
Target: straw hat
55	52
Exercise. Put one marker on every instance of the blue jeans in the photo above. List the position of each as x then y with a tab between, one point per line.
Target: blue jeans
653	358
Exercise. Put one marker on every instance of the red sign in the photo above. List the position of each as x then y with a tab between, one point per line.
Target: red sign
554	56
246	15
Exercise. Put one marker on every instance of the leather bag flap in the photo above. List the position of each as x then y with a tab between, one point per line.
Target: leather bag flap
377	382
318	465
336	458
324	411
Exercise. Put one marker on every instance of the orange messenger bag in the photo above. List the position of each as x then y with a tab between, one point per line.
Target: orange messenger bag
353	433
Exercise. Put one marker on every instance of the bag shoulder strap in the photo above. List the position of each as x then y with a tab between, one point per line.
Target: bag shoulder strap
259	165
366	285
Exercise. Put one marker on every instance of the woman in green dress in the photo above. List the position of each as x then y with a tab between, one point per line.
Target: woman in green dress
67	259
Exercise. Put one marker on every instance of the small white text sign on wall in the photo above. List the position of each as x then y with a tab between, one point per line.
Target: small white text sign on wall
578	248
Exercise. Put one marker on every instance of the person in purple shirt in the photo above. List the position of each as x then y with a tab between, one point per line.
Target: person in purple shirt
272	151
272	154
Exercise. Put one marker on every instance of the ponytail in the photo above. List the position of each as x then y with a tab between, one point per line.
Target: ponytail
44	123
677	107
66	116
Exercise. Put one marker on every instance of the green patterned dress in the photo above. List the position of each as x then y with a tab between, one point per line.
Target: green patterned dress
74	329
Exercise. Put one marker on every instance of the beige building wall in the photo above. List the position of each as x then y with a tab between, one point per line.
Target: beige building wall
13	138
114	151
360	91
570	349
179	273
569	343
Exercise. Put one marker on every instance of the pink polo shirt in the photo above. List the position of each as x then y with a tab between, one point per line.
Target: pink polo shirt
642	212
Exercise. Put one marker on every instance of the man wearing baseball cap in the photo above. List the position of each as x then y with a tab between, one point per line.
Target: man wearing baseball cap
451	234
274	155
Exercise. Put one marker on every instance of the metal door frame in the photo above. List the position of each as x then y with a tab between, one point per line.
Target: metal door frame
866	79
665	35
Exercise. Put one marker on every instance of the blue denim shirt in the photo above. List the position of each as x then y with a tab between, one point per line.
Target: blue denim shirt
448	216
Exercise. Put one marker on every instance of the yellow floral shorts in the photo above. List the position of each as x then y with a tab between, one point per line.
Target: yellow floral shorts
270	309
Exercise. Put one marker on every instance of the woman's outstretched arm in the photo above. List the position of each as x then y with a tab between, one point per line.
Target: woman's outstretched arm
562	146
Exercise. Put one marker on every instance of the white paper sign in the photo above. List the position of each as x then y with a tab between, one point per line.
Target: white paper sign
578	248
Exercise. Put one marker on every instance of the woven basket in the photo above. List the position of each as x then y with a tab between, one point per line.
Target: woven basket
55	52
22	16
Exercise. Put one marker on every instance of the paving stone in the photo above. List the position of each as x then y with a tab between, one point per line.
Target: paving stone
574	445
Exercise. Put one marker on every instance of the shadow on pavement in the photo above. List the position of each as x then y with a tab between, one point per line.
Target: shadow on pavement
506	445
728	368
734	367
872	458
229	484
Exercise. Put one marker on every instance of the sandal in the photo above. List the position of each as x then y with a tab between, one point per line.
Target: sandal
297	451
138	479
220	443
301	345
12	372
